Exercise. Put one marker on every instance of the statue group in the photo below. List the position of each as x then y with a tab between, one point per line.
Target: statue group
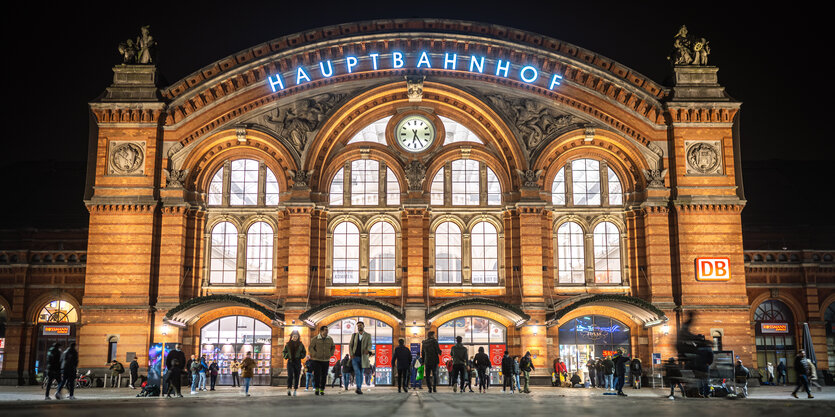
689	50
139	51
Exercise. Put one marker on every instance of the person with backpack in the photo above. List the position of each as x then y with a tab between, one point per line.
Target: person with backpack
673	378
175	363
195	375
293	353
69	370
213	371
481	362
636	370
507	373
116	371
53	368
526	366
204	367
430	358
741	374
347	371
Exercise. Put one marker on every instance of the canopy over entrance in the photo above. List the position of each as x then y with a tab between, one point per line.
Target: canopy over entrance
640	310
190	311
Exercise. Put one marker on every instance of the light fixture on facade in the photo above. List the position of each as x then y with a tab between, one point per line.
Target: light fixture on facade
535	330
164	329
665	329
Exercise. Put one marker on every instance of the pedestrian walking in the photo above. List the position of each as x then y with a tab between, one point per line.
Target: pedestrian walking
53	368
214	368
481	362
195	375
470	372
175	362
402	362
526	366
592	370
413	369
69	370
516	372
801	366
741	374
337	374
134	372
247	370
621	360
347	371
235	368
294	351
672	375
813	375
459	364
636	370
430	358
321	350
359	349
507	373
769	373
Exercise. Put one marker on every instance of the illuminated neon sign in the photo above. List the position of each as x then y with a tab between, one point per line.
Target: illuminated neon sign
56	330
423	60
774	327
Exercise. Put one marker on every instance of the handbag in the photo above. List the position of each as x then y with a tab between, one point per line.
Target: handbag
419	375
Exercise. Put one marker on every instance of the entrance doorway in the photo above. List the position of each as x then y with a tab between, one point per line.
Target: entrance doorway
475	332
382	339
230	338
774	336
590	337
56	324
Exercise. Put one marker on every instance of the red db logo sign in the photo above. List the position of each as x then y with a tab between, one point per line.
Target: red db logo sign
713	269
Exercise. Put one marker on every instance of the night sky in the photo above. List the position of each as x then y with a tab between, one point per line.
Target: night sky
59	57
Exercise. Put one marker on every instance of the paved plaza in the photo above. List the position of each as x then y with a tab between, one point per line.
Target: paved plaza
271	401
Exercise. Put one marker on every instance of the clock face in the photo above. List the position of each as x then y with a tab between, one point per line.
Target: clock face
415	133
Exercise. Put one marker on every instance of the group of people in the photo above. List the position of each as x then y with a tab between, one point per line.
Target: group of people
61	366
197	369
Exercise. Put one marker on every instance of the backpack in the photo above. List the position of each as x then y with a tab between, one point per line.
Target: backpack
149	391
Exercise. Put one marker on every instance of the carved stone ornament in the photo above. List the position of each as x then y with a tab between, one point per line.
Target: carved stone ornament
534	121
301	179
414	88
296	122
240	133
139	51
689	50
530	178
703	158
655	177
174	178
415	175
126	158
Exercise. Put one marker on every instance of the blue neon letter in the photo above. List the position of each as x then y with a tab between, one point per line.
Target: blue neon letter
397	60
532	78
424	59
555	81
374	60
327	73
500	68
453	61
479	64
275	82
350	62
300	73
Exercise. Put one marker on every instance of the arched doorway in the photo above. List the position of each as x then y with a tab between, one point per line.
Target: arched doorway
231	337
382	340
829	316
774	335
475	332
56	324
591	336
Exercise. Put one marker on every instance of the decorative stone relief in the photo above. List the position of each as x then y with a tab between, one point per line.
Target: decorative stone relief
655	177
297	121
688	49
414	88
535	122
174	178
415	175
530	177
301	179
703	158
126	158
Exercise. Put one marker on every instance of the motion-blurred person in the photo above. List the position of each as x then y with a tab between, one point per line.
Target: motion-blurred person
636	370
402	361
69	370
481	362
174	363
672	375
53	368
801	366
741	375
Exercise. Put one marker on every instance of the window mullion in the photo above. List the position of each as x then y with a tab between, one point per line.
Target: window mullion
604	183
346	185
569	186
227	182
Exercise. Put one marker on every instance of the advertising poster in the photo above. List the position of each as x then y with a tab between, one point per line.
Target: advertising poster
446	354
155	356
383	356
496	354
337	354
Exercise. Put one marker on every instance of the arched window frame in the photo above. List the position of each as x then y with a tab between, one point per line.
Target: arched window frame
484	250
608	259
263	189
260	247
376	187
345	254
465	183
571	254
607	187
382	238
223	248
448	267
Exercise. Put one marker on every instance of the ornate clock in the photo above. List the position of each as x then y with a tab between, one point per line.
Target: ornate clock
415	133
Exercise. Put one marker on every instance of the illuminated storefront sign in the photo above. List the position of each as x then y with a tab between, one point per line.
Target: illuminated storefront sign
423	60
774	327
2	342
713	269
56	330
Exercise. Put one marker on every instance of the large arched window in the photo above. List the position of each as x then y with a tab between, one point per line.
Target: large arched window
382	258
346	254
447	253
571	254
607	265
243	184
485	254
224	254
363	188
58	311
392	189
365	182
337	188
586	185
259	254
471	183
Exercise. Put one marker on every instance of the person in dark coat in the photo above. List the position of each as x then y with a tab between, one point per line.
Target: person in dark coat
53	368
636	370
802	369
620	359
213	371
508	367
526	366
781	373
459	365
601	376
401	361
592	368
134	372
175	362
69	370
672	375
347	371
609	372
481	362
430	357
337	374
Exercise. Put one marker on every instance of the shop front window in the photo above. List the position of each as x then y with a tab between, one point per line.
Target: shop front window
590	337
230	338
382	347
476	332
